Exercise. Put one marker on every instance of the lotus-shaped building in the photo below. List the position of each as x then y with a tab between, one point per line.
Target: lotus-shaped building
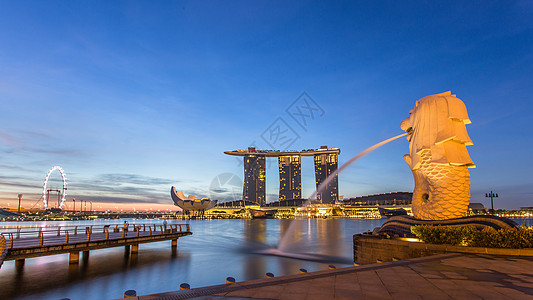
190	204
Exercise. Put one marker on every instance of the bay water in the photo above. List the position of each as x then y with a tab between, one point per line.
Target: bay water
217	249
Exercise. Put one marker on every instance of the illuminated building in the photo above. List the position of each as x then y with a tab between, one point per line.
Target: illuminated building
325	165
290	177
190	204
254	179
290	173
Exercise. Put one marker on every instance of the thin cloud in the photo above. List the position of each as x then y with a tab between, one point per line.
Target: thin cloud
17	184
121	200
134	179
9	140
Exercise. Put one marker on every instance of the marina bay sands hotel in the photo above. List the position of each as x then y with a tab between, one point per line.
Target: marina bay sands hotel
290	173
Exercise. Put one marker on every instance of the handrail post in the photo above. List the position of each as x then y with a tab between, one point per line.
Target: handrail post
123	232
76	230
137	229
88	231
188	228
150	227
106	229
41	238
144	227
162	229
18	232
66	236
58	230
10	240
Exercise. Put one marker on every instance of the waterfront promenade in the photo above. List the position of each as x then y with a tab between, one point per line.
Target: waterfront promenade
447	276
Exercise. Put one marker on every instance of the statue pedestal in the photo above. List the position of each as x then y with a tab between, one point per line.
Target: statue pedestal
401	225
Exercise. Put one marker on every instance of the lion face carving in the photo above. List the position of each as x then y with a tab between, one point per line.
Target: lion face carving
438	157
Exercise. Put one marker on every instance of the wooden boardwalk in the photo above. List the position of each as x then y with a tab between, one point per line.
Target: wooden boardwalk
26	244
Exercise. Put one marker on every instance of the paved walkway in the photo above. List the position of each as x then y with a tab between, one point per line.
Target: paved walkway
447	276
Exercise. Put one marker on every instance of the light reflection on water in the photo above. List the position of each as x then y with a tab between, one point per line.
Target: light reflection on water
217	249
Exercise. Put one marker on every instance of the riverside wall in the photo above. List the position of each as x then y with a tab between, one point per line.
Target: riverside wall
369	249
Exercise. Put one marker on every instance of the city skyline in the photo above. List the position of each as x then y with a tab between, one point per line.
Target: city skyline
132	98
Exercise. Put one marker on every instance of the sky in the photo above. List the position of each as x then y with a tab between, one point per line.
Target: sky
133	97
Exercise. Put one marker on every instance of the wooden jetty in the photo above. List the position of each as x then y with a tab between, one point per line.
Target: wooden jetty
20	245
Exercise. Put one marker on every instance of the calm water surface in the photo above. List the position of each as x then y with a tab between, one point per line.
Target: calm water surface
217	249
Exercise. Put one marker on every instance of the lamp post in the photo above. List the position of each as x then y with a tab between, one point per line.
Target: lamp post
491	195
20	198
74	209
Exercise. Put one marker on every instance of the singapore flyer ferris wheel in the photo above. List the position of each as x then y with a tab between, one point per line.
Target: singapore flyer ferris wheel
62	192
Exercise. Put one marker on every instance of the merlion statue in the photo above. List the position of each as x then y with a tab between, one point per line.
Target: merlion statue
438	157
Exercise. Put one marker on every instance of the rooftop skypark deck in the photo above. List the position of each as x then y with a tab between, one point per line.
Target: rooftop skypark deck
277	153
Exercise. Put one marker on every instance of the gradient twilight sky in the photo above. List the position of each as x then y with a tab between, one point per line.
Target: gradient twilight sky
130	98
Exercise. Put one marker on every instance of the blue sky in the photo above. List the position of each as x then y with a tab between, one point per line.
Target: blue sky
130	98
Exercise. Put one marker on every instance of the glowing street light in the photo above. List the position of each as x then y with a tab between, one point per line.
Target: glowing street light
20	198
491	195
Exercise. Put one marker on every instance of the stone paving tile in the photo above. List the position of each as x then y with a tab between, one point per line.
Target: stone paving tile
417	283
319	296
292	296
347	287
296	287
513	294
479	289
453	290
453	275
371	285
404	295
241	293
394	285
434	297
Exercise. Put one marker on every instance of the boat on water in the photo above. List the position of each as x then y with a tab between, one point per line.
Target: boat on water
262	214
391	212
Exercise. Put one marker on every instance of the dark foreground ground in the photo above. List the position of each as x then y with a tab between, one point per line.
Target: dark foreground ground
447	276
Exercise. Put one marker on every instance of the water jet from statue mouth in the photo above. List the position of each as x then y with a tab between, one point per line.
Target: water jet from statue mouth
304	256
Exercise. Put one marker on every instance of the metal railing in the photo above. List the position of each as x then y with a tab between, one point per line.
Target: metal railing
75	234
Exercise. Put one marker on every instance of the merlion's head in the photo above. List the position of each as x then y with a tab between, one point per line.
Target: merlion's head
437	123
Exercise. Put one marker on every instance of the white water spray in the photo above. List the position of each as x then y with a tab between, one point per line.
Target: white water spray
285	239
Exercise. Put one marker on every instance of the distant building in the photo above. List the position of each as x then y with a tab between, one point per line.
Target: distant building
190	204
5	214
289	202
325	165
396	198
254	179
290	177
477	208
290	173
237	203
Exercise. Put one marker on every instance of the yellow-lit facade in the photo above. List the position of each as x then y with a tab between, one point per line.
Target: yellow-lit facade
325	165
290	177
254	179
